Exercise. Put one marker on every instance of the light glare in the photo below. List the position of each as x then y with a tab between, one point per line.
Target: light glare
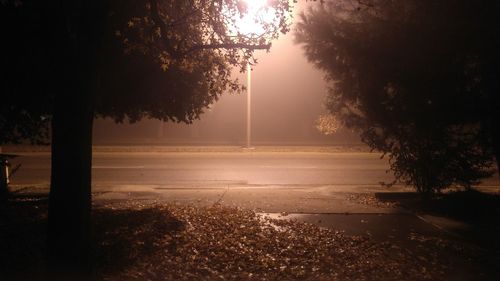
257	14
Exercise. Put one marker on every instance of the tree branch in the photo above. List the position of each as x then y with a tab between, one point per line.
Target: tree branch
160	24
231	46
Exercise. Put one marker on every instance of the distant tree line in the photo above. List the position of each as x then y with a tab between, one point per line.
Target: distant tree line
419	80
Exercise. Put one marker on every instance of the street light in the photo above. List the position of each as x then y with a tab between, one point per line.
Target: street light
250	26
249	105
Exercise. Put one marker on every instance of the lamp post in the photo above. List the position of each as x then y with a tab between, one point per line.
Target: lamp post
249	105
251	25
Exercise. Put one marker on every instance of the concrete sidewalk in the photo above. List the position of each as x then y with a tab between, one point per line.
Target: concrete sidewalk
357	210
274	199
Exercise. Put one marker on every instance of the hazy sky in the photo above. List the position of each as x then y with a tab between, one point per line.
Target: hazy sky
287	96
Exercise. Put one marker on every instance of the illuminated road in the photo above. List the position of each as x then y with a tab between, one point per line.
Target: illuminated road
208	169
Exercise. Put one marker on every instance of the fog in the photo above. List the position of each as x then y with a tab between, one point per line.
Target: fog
287	98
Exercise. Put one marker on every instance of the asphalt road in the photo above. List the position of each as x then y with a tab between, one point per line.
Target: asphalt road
209	168
206	169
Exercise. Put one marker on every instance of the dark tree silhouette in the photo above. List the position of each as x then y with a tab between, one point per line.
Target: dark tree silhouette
64	62
418	79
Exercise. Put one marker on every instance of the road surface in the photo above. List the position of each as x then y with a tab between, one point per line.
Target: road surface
291	182
220	169
209	168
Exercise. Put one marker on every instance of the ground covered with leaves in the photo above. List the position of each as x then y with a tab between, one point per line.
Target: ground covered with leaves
136	240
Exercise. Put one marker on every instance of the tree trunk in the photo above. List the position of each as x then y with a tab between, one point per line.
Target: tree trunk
74	27
70	190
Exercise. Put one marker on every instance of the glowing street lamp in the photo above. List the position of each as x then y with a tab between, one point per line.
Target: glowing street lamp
251	25
256	13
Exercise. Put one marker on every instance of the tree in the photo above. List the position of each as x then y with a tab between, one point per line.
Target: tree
417	79
328	124
68	61
22	116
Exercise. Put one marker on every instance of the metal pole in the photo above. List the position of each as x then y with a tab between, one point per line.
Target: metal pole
249	100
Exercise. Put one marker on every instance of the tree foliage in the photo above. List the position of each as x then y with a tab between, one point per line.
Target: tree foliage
25	101
418	79
328	124
164	59
176	48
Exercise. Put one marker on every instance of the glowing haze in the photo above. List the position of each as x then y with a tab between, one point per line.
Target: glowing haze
256	15
287	97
